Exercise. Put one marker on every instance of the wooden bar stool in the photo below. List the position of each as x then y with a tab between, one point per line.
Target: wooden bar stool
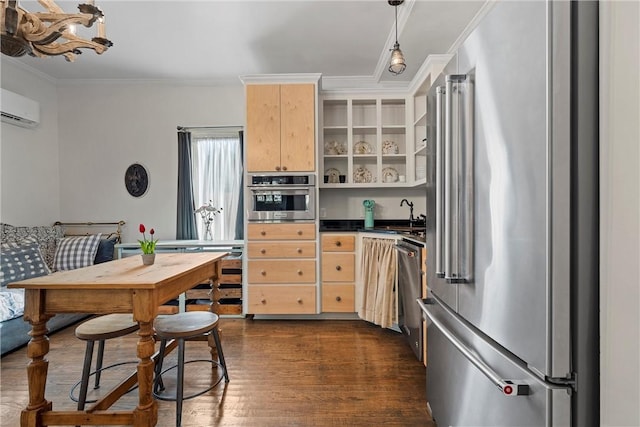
99	329
181	327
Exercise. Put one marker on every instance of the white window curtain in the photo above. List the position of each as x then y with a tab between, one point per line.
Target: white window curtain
217	177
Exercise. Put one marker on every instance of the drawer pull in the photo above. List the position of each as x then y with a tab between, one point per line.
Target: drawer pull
338	268
338	298
264	273
263	233
299	300
263	251
299	272
299	232
299	250
277	168
284	168
263	301
338	243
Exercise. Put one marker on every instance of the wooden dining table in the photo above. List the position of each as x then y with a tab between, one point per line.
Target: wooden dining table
120	286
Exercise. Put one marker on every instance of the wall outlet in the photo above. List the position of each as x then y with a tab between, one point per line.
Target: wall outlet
323	212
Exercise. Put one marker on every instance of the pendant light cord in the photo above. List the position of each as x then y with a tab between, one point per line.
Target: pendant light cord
396	7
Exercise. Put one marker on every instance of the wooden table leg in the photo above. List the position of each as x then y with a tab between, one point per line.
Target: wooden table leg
38	367
146	413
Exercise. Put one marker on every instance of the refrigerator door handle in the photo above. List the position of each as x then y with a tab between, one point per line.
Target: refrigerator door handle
433	300
458	185
448	227
507	387
440	92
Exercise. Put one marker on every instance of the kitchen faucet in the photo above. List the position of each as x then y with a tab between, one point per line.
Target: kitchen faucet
410	204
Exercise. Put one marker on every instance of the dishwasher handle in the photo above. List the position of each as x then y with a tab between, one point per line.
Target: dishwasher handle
409	252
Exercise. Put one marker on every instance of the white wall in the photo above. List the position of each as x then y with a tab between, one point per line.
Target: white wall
29	180
620	213
106	127
347	203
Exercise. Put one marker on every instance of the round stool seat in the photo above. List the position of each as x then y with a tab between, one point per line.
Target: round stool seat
106	327
185	325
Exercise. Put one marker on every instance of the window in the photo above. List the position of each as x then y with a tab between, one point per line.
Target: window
216	173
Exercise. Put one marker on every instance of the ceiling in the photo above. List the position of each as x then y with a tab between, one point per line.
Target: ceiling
217	41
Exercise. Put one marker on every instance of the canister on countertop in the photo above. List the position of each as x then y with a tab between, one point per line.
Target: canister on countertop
368	213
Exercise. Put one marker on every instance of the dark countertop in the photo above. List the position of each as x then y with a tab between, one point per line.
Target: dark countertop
387	226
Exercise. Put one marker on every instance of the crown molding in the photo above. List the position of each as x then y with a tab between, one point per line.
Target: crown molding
284	78
151	82
21	65
482	12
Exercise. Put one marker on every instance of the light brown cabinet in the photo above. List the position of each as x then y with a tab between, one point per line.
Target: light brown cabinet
280	127
338	272
281	268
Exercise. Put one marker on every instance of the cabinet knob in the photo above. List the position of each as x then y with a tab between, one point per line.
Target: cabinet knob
299	272
338	243
338	298
263	233
299	300
277	168
284	168
299	250
338	268
263	301
263	251
299	232
264	273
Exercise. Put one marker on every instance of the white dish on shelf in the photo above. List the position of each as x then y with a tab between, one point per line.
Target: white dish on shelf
333	174
389	147
334	148
362	147
389	175
362	175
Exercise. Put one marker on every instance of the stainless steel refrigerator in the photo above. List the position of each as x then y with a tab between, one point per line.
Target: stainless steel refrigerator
512	261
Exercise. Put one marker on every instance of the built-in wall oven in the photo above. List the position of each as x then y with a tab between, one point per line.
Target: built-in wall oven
281	197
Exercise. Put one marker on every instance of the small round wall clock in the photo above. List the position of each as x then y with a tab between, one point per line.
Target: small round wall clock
136	179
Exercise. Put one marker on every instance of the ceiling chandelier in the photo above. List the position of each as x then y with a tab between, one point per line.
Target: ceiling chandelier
397	64
51	32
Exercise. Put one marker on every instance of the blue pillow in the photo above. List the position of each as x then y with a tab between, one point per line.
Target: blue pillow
106	249
21	261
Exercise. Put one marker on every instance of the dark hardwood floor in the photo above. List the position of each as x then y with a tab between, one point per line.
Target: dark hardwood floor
283	373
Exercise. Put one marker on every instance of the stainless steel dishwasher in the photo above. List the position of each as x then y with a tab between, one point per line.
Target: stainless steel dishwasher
409	289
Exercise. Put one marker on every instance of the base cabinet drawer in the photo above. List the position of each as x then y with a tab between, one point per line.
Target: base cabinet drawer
290	231
338	267
276	299
338	298
281	271
302	249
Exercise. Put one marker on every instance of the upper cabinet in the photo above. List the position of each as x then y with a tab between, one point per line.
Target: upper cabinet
366	141
281	127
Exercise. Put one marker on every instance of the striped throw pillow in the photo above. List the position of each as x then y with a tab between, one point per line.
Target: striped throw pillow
76	252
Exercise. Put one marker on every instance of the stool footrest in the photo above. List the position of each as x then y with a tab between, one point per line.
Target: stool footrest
173	397
104	368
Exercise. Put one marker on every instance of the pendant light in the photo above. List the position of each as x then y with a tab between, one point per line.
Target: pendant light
397	64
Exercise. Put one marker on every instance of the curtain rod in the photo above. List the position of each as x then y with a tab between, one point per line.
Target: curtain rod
188	128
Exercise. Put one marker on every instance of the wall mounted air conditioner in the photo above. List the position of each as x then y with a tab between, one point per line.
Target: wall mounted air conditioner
18	110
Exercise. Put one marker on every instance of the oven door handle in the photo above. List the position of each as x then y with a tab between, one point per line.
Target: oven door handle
280	188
